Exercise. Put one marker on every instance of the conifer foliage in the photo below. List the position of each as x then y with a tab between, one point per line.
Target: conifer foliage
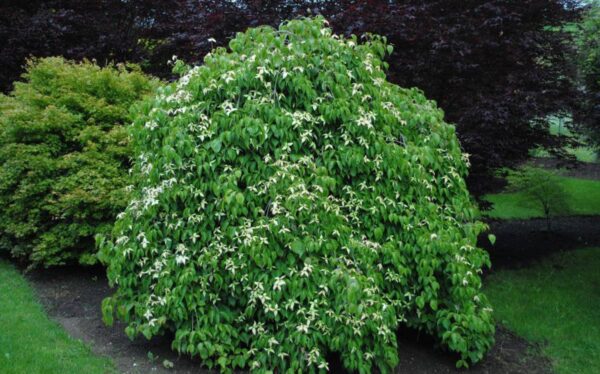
289	202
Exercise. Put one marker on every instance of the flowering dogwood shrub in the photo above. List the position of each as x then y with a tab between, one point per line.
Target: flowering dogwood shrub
290	203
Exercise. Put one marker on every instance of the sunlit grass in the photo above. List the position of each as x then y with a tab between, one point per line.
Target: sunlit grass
556	304
583	197
30	342
558	126
583	154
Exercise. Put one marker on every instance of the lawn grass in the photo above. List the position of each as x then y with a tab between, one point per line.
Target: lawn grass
554	303
558	126
582	154
30	342
583	197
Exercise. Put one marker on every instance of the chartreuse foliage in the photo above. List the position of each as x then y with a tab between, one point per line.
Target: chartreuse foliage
64	156
289	202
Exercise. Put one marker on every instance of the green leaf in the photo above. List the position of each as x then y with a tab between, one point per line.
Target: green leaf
239	198
297	247
378	232
215	145
434	304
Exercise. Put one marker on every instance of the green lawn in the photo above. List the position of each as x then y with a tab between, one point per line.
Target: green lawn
583	154
31	343
557	304
583	198
559	127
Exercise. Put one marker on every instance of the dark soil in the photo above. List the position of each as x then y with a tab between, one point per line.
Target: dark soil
510	355
72	296
522	242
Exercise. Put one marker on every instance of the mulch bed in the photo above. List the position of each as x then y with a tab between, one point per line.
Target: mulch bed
522	242
72	297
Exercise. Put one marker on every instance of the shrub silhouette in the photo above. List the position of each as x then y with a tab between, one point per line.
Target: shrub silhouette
542	190
64	154
289	203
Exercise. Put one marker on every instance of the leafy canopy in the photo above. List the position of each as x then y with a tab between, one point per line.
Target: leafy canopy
588	45
64	156
497	68
289	202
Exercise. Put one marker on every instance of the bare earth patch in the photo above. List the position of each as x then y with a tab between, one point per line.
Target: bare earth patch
72	296
522	242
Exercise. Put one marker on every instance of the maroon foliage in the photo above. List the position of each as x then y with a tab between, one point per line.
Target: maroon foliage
494	66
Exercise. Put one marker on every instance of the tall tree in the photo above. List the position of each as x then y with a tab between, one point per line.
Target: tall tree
588	43
496	67
70	28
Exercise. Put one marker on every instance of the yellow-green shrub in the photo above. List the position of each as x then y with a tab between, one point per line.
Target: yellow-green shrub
64	156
